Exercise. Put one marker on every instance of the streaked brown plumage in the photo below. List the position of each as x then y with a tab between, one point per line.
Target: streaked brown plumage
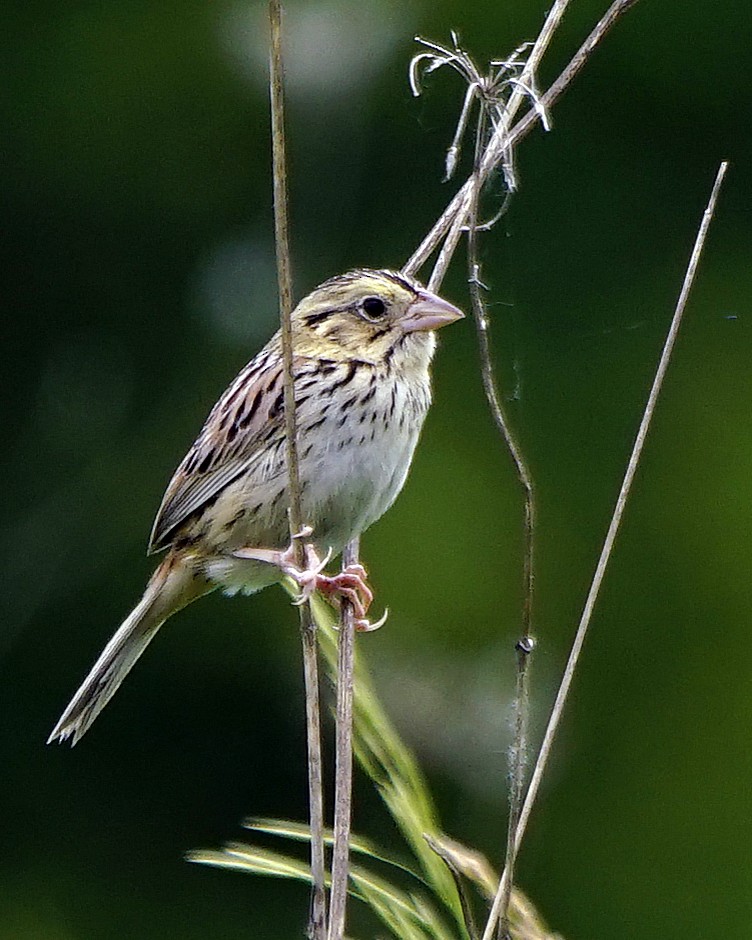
363	344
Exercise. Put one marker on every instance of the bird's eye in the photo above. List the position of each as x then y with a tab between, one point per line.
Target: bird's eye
373	308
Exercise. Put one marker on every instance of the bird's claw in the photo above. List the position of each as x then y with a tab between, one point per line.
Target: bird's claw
365	626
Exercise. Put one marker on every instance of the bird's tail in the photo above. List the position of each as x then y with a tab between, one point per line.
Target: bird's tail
172	586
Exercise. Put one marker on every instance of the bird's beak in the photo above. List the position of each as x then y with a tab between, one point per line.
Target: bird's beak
429	312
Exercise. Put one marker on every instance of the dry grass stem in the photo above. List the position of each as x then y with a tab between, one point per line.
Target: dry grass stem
500	146
317	924
517	768
525	644
613	529
344	760
454	217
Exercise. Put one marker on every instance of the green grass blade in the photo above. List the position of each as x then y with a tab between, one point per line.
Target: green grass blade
301	832
409	916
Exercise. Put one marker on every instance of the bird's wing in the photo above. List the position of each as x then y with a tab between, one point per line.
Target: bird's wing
240	429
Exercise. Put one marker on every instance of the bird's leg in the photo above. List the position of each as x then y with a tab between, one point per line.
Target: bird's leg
286	561
350	583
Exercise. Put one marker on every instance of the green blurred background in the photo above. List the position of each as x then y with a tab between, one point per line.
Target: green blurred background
138	277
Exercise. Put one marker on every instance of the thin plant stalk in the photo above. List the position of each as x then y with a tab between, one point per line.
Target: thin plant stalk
344	759
608	544
317	915
525	644
498	145
517	766
458	205
317	922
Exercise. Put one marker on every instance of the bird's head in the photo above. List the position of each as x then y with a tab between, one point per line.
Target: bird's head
369	315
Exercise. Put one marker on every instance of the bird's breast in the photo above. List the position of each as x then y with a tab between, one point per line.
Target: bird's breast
354	467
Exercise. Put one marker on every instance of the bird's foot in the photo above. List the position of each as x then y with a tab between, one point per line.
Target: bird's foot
350	583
